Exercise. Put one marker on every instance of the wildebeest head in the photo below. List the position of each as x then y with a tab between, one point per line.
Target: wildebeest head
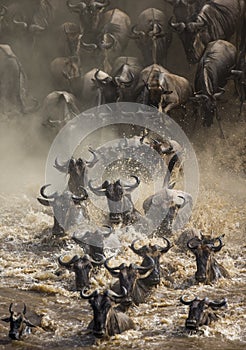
207	105
128	276
65	211
82	267
77	170
208	269
19	325
89	12
155	89
118	197
198	312
105	320
93	242
194	36
106	86
155	252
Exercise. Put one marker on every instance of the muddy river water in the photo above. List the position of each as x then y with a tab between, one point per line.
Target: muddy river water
30	272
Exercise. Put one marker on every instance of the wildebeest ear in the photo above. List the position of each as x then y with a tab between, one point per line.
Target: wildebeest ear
6	319
44	202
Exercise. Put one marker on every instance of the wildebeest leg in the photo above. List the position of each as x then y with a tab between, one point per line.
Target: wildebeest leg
220	127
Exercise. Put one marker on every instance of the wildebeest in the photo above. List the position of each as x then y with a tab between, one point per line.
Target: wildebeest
208	269
153	36
169	150
93	242
77	169
165	206
199	312
82	267
90	14
13	85
154	252
19	325
58	108
218	19
162	89
121	207
112	38
135	279
107	321
66	207
125	71
66	73
212	73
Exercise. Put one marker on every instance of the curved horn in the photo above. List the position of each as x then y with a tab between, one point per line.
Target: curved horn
193	246
113	269
62	168
135	250
186	302
24	309
35	28
218	247
96	262
218	94
137	33
215	304
88	296
180	206
81	198
88	47
201	97
237	73
112	295
21	24
134	185
68	263
10	308
177	26
99	191
81	6
102	81
165	249
145	271
101	5
108	45
107	234
51	196
91	163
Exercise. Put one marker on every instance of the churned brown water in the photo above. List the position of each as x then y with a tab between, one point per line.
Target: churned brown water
30	272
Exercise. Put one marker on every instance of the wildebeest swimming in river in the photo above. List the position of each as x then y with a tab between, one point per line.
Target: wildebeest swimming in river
208	269
19	325
107	321
199	313
135	279
82	267
66	208
149	252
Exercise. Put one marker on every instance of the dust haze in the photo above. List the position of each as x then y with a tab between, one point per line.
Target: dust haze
24	142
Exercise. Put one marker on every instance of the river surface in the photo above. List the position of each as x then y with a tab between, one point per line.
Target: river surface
30	272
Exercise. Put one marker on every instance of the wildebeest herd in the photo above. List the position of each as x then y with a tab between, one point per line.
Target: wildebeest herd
89	66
